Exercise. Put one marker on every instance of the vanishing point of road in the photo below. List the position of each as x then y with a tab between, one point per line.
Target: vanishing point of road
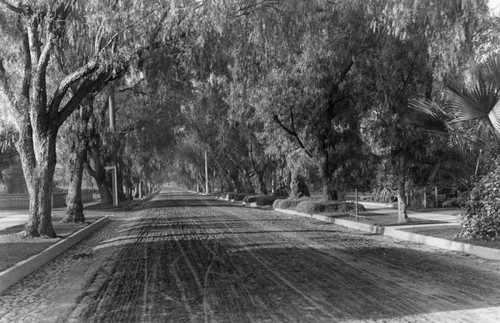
183	257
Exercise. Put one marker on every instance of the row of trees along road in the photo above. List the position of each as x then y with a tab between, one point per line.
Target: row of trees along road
274	90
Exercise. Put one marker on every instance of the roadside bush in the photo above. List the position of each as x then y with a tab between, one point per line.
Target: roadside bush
239	197
266	200
452	202
328	206
289	202
251	198
481	220
310	207
227	195
13	179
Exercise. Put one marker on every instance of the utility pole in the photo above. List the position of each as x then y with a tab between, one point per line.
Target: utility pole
206	172
112	167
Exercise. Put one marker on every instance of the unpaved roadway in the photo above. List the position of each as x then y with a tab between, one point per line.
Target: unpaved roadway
188	258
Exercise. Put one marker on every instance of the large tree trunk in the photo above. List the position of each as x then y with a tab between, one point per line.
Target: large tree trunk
78	158
262	184
95	167
74	204
247	182
99	174
298	186
104	192
38	158
402	213
119	179
329	188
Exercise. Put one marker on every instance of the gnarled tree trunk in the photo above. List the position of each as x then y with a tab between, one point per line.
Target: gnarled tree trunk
37	150
74	203
78	158
330	192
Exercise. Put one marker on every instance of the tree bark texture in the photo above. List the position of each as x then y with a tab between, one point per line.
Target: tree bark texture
38	157
329	188
77	159
402	212
74	204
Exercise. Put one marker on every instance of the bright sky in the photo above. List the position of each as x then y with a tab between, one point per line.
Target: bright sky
494	5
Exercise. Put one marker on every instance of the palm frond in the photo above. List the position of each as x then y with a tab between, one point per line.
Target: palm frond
490	70
428	115
474	103
494	117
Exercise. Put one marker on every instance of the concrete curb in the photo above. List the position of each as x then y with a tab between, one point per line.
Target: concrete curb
483	252
22	269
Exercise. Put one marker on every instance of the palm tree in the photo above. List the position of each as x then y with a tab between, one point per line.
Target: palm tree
477	100
472	106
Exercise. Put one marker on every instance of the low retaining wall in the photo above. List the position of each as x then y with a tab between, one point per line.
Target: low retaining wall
14	274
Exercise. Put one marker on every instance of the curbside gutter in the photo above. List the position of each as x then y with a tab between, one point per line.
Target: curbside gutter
483	252
22	269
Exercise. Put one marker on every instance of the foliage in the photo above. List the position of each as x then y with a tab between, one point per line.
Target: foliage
239	197
298	187
384	186
260	200
13	178
251	198
289	202
481	219
312	207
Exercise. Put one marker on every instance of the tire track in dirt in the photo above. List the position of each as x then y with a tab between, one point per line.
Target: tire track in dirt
362	273
190	259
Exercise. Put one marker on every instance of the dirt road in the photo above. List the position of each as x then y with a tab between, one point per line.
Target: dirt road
187	258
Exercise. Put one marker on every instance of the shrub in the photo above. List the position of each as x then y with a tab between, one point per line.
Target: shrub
239	197
251	198
452	202
266	200
277	204
227	195
289	202
328	206
310	207
481	219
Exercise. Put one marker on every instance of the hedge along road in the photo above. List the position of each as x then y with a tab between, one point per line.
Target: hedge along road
188	258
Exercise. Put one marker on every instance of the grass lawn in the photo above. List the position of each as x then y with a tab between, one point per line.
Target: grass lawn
15	248
379	219
449	233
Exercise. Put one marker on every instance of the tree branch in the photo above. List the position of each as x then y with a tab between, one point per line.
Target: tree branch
27	68
11	7
293	134
90	170
88	86
68	81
